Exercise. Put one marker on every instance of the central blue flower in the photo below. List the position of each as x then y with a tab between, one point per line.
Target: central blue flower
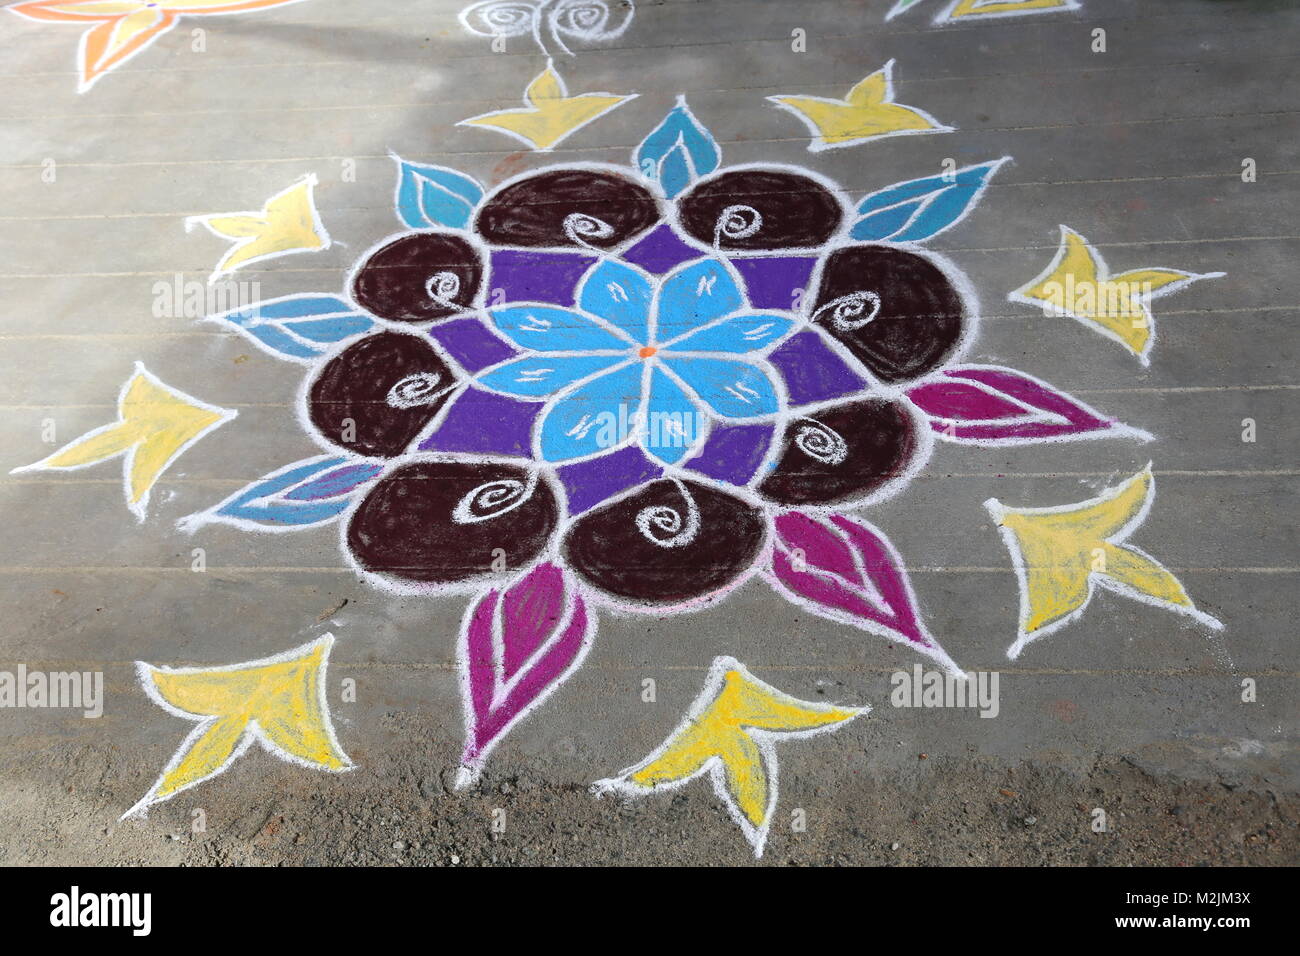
639	358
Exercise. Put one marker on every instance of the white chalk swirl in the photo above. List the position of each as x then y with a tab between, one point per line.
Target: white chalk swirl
665	519
737	222
493	499
414	390
851	312
821	442
586	21
581	228
443	287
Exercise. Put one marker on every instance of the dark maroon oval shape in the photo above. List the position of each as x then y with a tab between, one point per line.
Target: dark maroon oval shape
919	314
639	546
841	453
439	522
760	209
375	396
419	277
567	207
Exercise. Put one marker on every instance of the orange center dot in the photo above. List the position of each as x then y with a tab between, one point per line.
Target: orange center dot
647	351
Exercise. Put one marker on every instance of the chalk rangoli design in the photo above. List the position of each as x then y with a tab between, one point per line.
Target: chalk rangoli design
155	425
551	24
287	223
549	114
616	390
1062	554
962	10
278	702
1079	284
119	29
867	112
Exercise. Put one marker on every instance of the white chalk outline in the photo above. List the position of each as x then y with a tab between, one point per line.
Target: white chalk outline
763	739
468	773
138	508
818	139
998	511
1103	274
533	25
318	227
252	732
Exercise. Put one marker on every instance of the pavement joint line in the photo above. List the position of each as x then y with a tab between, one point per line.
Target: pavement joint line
623	147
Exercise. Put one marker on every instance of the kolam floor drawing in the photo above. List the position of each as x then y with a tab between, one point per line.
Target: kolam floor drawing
596	432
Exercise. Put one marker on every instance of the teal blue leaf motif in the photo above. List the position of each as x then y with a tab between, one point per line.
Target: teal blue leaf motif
430	196
307	493
922	208
299	328
678	151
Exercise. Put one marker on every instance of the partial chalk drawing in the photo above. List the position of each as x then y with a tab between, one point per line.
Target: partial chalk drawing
287	223
730	733
278	702
517	646
600	389
1062	554
1079	284
962	10
123	28
867	112
550	115
551	24
155	425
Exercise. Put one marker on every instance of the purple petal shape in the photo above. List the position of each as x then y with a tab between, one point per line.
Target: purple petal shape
660	251
529	612
545	632
775	282
983	404
523	275
471	343
848	572
485	422
588	483
812	372
732	453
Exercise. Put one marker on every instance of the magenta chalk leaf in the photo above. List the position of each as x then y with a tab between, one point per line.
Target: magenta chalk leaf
516	647
846	570
989	405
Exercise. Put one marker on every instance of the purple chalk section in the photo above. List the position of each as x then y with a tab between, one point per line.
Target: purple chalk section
485	423
588	483
471	343
661	251
775	282
521	275
732	453
812	372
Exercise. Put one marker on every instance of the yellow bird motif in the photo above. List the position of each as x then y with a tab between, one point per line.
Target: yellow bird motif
156	424
1079	284
287	223
1062	554
549	115
867	112
278	701
729	734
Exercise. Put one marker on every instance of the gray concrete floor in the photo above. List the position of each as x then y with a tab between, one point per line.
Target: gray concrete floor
1131	708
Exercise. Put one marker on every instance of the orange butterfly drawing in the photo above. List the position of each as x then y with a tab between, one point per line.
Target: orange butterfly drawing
122	28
